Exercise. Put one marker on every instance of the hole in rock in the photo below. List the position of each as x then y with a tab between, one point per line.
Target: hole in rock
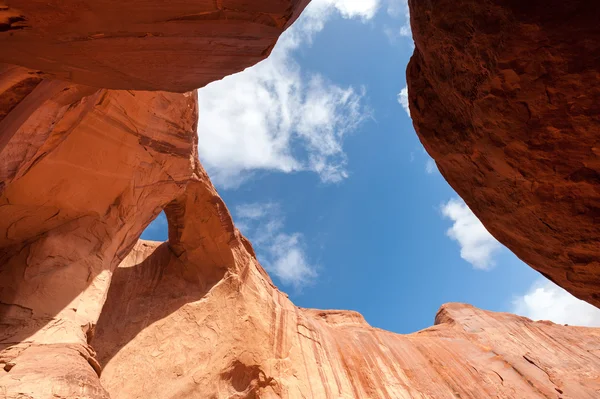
157	230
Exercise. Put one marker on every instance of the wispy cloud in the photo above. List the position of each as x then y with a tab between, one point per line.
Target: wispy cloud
547	301
399	10
477	245
277	117
347	8
430	166
281	253
403	99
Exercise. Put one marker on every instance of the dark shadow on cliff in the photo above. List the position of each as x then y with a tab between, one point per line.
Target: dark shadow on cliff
144	293
18	322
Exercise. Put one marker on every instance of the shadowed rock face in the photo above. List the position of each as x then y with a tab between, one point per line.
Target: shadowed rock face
505	96
175	45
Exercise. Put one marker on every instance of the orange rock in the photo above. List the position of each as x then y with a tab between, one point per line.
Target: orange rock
505	96
83	172
240	337
175	45
86	170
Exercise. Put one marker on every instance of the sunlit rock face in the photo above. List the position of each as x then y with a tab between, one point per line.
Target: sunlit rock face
240	337
84	169
198	317
505	96
176	45
87	311
83	172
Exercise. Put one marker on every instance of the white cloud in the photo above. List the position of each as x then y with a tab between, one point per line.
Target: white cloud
276	117
430	166
347	8
403	99
289	261
254	211
405	31
477	245
398	9
281	253
547	301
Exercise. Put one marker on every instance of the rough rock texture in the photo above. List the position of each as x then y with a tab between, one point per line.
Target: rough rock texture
240	337
505	96
82	173
85	170
175	45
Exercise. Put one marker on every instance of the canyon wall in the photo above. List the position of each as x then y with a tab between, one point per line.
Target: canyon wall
240	337
197	316
83	173
88	159
505	96
84	169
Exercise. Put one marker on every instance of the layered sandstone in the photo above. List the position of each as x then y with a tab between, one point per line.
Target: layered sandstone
505	96
175	45
83	172
240	337
84	169
87	311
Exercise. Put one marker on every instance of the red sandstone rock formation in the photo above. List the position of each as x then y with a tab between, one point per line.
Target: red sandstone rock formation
174	45
505	96
84	170
198	317
240	337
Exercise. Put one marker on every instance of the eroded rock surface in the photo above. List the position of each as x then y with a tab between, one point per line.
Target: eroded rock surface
505	96
242	338
175	45
83	171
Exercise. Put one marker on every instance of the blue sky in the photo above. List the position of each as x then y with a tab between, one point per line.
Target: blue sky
314	152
